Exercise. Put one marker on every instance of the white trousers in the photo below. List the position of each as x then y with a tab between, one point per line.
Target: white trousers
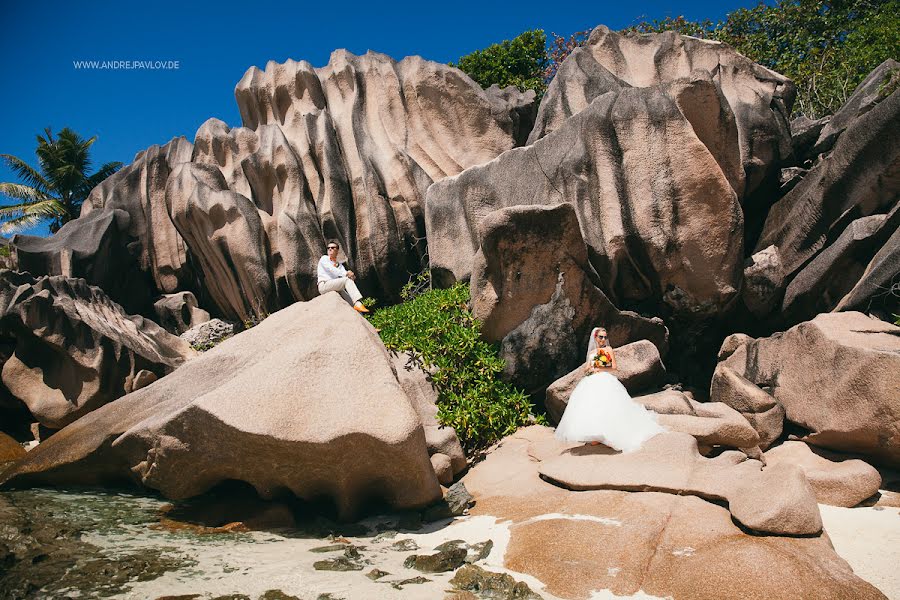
343	285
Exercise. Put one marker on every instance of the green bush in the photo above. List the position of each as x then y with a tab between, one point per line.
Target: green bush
520	61
438	330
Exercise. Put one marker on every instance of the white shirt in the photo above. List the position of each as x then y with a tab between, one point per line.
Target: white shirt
327	271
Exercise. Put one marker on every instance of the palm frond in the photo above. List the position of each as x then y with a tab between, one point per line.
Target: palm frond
49	208
20	223
20	191
25	171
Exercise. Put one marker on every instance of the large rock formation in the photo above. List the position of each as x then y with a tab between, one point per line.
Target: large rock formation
837	377
759	99
140	190
345	151
836	480
651	175
861	177
759	408
774	500
536	294
661	544
96	248
75	349
867	94
281	407
821	284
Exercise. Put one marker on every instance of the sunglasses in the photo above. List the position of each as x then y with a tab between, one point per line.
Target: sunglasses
332	247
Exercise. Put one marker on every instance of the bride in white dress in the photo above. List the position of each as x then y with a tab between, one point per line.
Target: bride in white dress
600	409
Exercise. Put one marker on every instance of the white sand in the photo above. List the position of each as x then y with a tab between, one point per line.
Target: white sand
255	562
869	539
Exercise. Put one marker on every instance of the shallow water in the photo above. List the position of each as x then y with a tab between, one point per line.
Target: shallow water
92	543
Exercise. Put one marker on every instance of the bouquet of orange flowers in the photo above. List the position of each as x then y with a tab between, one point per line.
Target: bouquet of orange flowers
601	358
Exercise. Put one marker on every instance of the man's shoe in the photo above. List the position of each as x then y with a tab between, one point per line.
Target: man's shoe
360	308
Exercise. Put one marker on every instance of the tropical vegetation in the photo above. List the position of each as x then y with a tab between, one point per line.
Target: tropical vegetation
55	190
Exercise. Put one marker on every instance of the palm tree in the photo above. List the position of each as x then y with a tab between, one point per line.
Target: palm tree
55	192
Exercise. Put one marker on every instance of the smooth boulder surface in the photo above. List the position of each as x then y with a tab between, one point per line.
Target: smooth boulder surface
639	368
837	377
536	294
641	167
665	545
758	407
759	99
774	500
75	349
836	480
281	407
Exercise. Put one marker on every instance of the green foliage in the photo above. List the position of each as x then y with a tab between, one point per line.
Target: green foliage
438	330
520	61
56	190
827	47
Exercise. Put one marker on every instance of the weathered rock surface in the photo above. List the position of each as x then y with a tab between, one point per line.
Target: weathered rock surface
775	500
96	248
10	449
866	95
763	282
639	368
345	151
75	349
836	376
836	480
759	98
820	285
860	177
804	134
536	294
207	334
874	290
443	444
759	408
178	312
662	544
282	391
139	189
647	172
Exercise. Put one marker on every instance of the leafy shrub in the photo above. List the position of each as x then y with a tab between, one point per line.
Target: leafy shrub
520	61
438	330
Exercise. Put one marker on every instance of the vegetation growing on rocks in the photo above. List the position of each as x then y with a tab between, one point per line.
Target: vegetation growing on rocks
520	61
827	47
438	330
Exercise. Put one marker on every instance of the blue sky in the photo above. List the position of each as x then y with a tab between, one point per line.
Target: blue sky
215	43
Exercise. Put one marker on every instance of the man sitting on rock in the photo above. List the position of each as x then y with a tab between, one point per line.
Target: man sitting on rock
333	277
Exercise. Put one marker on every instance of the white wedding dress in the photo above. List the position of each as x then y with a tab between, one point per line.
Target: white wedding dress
601	410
